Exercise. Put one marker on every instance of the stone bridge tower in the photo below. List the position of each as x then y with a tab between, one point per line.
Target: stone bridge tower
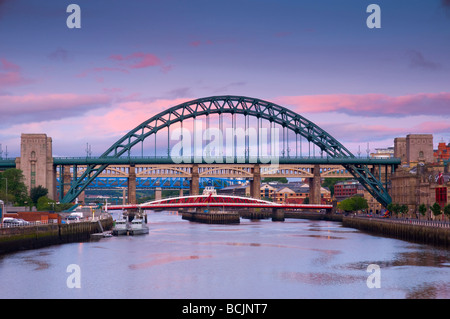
36	162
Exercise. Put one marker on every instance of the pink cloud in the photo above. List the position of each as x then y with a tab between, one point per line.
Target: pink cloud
371	104
31	108
10	74
107	126
138	60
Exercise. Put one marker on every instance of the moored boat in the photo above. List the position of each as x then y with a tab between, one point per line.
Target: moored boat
120	228
138	227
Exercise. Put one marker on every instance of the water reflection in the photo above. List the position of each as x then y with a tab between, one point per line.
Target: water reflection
429	291
255	259
322	278
35	260
161	259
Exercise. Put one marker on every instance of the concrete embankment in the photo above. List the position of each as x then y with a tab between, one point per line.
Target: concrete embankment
37	236
422	234
430	235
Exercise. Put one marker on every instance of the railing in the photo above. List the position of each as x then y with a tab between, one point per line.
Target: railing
429	223
246	159
418	222
27	223
50	221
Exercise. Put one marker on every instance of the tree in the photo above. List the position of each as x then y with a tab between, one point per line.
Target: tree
436	209
447	210
346	205
282	180
354	203
422	209
45	204
403	209
360	203
394	208
12	180
37	192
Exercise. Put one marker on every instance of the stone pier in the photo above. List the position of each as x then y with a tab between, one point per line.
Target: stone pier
195	181
132	185
314	186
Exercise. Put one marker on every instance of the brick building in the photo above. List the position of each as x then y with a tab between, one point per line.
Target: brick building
442	152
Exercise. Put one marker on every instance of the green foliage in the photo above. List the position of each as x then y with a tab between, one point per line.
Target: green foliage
436	209
12	179
282	180
354	203
403	209
37	192
45	204
394	208
447	210
422	209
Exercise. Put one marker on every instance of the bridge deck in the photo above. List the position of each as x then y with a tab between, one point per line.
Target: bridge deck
214	201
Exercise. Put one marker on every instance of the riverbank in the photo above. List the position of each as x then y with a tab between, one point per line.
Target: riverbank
37	236
422	232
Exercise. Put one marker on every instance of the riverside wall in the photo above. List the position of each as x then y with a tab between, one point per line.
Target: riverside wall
431	235
400	229
37	236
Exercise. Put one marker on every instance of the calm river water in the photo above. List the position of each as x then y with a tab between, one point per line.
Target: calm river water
255	259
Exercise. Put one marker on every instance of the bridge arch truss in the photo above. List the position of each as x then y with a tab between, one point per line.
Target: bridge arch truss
250	107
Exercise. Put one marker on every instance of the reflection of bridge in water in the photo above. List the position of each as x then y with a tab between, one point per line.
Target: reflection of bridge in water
243	158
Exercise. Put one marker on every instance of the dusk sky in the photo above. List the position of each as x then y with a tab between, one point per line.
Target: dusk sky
132	59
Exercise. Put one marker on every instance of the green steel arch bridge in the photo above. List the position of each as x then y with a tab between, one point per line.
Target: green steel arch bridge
332	152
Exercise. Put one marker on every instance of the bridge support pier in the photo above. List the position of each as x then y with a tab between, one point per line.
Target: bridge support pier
36	162
65	180
158	193
314	186
255	184
132	185
277	215
195	181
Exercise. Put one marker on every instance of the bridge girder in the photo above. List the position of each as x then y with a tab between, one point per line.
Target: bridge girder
234	105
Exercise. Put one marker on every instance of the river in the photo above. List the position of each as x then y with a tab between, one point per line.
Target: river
251	260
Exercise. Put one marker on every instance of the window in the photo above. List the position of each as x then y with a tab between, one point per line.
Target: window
441	196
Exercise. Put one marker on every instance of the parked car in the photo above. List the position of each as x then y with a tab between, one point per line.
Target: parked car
9	221
73	217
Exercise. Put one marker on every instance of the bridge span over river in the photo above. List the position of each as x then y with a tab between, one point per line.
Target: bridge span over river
215	201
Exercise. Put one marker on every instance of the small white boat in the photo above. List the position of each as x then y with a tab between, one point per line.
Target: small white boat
138	227
120	228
